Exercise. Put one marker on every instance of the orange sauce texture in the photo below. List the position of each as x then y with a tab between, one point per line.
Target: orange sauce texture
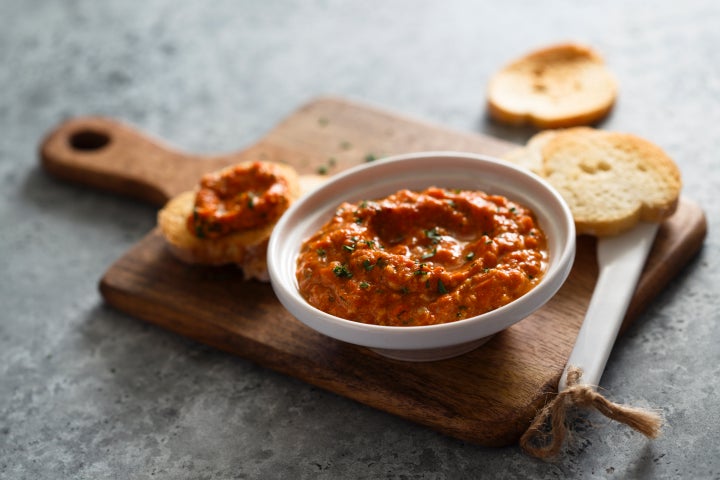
422	258
238	198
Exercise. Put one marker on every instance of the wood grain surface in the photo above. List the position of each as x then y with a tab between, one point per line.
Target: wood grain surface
487	396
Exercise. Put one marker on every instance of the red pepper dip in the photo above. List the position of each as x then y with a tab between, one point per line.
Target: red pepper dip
243	197
422	258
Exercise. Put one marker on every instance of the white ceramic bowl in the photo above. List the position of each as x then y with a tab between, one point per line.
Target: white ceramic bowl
418	171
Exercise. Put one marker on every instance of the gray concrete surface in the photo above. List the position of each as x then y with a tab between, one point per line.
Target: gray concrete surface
87	392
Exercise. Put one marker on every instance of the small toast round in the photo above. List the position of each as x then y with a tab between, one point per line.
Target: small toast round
246	249
558	86
611	180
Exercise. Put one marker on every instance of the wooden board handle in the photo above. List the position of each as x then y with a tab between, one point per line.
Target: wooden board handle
112	156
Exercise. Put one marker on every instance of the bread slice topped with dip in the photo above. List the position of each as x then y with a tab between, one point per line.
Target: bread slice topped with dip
610	180
559	86
230	215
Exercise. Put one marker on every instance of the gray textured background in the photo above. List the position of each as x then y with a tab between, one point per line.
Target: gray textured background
88	392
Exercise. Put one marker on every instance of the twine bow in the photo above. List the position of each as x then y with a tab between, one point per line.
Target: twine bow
548	430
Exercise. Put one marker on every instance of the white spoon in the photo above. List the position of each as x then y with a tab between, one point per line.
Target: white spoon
621	259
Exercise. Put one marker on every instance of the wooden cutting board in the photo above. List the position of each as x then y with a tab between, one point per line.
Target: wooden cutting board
487	396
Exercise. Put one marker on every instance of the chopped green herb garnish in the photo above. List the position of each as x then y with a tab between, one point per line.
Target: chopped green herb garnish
199	232
364	285
429	254
367	265
345	145
322	170
370	157
441	287
470	256
420	270
321	252
322	121
433	235
349	248
342	271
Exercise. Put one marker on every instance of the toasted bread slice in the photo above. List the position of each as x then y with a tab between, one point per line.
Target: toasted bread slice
611	180
246	249
559	86
530	155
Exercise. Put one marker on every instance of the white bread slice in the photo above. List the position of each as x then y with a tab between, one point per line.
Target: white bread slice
559	86
246	249
611	180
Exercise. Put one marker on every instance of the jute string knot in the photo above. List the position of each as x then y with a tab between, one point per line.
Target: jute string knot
548	430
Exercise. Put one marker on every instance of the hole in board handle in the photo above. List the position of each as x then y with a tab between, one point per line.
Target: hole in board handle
89	140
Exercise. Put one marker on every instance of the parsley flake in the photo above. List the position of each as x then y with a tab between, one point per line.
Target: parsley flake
429	254
342	271
433	235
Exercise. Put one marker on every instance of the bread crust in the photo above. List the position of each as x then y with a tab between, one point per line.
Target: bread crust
558	86
246	249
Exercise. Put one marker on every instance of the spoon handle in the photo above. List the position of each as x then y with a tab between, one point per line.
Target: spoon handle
621	259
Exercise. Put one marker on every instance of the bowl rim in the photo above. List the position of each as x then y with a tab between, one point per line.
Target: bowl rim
423	336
